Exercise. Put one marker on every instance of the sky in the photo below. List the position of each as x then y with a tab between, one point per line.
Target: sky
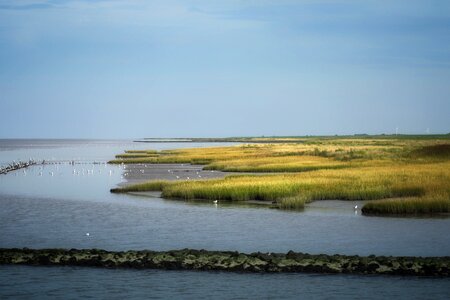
203	68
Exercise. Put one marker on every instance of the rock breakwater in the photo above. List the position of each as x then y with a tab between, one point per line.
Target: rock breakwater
188	259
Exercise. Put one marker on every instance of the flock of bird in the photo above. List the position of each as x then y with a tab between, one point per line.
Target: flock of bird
17	166
86	171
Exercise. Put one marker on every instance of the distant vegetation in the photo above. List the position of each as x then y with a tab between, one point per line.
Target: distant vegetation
432	151
401	176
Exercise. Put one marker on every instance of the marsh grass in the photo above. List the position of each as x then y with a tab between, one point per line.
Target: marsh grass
429	205
266	157
142	151
136	155
401	176
155	185
292	203
299	163
417	184
439	151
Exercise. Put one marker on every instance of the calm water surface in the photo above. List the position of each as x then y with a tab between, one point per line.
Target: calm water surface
24	282
55	206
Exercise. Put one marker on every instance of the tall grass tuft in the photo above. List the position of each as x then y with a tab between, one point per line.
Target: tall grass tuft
292	203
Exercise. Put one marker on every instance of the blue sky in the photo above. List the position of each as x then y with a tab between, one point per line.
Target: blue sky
128	69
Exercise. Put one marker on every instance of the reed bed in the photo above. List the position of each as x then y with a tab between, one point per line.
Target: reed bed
298	163
292	191
278	157
432	204
401	177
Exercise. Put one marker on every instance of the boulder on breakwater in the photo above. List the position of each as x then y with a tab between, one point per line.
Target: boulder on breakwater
188	259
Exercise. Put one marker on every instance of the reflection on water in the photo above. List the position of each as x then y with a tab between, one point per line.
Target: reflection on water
81	283
121	222
56	205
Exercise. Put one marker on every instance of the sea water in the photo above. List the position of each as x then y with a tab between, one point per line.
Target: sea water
55	206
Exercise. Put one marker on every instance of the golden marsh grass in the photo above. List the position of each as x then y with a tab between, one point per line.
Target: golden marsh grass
401	177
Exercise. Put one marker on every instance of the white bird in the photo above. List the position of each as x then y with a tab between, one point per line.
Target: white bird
110	172
356	207
188	178
178	177
215	201
87	234
51	173
199	176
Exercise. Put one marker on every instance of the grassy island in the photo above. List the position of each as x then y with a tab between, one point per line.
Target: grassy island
399	174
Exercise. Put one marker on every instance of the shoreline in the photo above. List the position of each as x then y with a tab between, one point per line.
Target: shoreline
203	260
141	173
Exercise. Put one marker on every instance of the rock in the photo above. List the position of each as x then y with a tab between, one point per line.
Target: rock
189	259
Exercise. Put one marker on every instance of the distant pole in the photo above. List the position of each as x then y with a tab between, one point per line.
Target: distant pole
396	130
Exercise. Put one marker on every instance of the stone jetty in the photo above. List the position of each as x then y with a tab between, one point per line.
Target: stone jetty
188	259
